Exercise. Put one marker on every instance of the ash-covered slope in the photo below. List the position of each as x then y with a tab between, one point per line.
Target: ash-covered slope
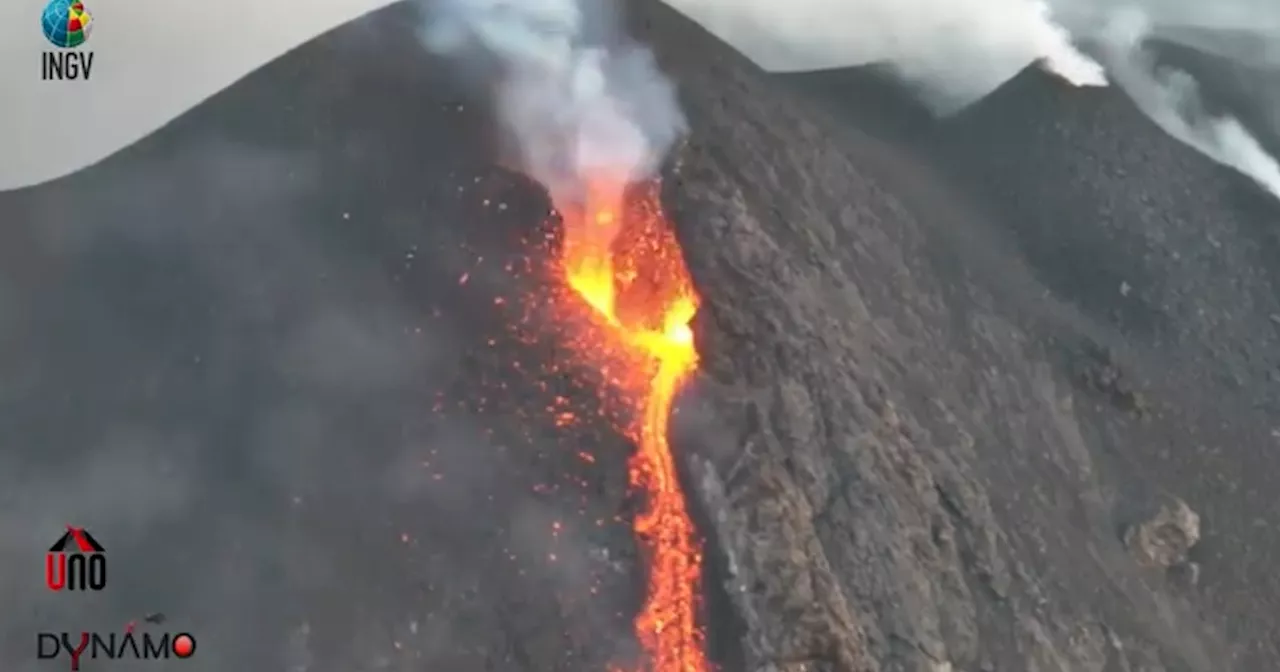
870	97
243	325
267	356
1248	89
1080	174
1023	378
1172	262
1140	276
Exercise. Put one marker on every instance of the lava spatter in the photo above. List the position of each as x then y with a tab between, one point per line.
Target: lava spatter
628	267
615	307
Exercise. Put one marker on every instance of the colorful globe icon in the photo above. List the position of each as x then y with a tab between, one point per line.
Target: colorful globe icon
66	23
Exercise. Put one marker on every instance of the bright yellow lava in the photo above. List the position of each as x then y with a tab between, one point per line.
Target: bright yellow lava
630	270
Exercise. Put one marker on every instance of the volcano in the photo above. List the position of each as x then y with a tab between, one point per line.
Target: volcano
990	393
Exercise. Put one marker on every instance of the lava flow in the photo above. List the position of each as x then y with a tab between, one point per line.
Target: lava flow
627	265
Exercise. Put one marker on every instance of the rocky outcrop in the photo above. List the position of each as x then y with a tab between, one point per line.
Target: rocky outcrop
904	476
1164	539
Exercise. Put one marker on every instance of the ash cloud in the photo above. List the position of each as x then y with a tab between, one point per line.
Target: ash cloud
575	96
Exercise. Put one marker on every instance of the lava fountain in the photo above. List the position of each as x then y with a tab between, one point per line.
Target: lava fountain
582	105
626	264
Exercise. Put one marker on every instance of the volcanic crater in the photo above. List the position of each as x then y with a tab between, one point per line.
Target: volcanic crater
311	320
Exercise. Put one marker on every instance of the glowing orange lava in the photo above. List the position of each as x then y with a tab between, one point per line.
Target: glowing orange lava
627	265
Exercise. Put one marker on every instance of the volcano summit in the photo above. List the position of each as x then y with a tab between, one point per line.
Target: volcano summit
992	393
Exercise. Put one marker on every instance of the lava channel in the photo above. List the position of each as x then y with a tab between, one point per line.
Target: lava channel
627	265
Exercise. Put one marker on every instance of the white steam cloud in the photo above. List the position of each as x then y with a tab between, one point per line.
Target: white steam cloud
956	51
1172	99
579	99
576	97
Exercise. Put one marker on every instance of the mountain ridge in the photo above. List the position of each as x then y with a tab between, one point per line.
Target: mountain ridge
912	451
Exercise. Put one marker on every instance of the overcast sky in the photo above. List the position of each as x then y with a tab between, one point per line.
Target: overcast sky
152	61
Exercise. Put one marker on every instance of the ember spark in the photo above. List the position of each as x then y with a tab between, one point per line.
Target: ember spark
627	265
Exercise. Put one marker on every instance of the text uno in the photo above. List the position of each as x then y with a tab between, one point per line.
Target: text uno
75	571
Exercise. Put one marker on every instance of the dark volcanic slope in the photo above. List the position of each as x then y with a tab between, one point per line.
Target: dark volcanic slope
241	326
869	96
1147	275
1172	262
925	467
1249	92
1080	174
242	353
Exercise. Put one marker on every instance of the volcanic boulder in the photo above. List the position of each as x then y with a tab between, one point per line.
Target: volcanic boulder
1164	539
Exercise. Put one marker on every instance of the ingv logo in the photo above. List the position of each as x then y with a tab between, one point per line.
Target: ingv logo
80	646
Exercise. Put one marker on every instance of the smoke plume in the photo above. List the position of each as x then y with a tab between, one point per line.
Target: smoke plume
1172	98
956	51
575	96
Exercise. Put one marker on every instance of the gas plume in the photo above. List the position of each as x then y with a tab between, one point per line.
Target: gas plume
591	117
576	97
956	51
1172	99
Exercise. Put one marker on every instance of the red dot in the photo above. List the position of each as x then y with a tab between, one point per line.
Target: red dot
184	645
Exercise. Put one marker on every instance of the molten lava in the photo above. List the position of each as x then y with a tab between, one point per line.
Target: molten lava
627	265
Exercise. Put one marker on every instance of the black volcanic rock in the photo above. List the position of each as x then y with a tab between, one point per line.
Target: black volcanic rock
1080	174
921	460
1145	275
267	356
916	440
1167	265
